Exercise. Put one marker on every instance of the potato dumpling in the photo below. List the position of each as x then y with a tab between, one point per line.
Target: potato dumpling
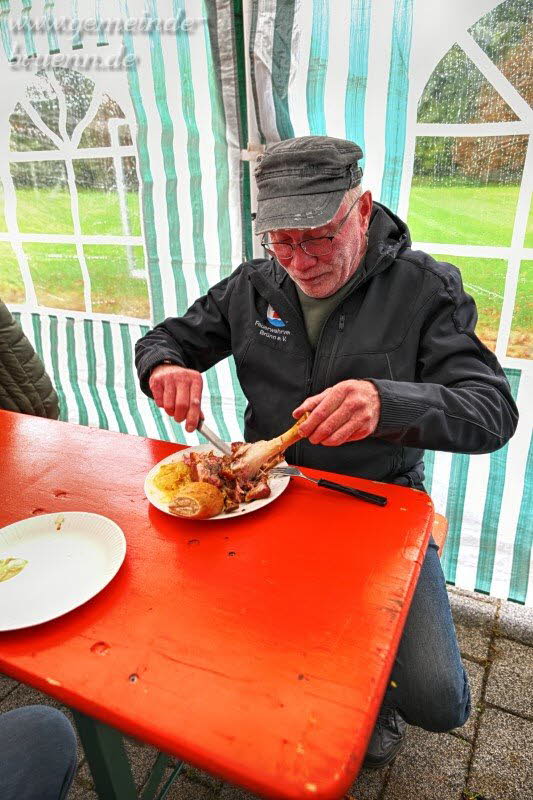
169	477
198	500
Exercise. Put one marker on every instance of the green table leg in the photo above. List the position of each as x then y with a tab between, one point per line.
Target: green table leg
110	766
107	759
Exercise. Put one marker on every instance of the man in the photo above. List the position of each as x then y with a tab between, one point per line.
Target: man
374	339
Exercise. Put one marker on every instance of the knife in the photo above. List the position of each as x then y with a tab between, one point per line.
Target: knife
213	438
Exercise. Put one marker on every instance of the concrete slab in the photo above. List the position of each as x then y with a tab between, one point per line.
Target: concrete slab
184	789
475	674
516	622
484	598
6	685
474	620
502	767
142	757
199	776
369	784
83	782
230	792
431	766
80	792
510	679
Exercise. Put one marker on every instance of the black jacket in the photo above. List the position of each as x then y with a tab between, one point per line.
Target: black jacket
407	325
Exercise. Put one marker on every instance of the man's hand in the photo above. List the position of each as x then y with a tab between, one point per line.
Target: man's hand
343	413
179	392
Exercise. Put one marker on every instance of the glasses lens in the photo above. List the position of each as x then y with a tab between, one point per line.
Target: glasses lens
317	247
280	250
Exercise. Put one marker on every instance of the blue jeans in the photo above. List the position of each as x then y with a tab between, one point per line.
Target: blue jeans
431	686
37	754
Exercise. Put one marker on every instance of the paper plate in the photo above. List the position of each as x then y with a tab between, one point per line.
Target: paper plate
157	498
56	563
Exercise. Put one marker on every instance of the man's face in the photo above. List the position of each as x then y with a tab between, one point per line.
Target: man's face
322	276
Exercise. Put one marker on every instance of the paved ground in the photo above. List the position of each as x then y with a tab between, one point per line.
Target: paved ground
489	758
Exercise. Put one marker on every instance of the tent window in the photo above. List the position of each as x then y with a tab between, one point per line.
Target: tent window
469	201
74	231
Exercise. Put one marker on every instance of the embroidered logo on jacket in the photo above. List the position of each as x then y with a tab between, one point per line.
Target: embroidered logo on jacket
274	319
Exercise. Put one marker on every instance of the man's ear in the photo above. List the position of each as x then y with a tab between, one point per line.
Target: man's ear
365	208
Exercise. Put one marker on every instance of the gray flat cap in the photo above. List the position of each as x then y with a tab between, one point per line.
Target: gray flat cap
301	181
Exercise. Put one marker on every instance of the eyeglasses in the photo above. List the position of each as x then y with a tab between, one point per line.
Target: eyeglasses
317	246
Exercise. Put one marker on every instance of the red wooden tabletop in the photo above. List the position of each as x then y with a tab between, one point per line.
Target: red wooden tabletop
257	648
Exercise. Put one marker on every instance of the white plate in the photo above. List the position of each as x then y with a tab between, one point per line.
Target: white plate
71	556
157	498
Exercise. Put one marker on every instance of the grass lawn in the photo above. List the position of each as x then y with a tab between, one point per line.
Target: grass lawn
49	211
58	280
447	214
481	215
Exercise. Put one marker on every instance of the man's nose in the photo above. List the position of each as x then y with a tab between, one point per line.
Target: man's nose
302	260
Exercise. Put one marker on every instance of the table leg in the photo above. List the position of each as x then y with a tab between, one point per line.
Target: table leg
110	766
107	759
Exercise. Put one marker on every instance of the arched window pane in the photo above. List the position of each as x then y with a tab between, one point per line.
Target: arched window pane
97	133
25	135
521	338
56	275
529	230
12	286
506	36
114	289
465	189
68	192
43	198
3	223
458	92
108	203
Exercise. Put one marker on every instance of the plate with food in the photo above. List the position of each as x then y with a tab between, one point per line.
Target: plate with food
201	483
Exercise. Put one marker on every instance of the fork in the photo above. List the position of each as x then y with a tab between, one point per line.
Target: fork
376	499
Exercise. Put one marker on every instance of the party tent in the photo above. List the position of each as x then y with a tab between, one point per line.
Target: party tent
128	135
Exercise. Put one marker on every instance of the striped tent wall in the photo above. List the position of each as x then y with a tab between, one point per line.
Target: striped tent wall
189	131
346	69
339	69
186	113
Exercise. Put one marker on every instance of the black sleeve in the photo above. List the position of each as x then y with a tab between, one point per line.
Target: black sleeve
461	400
198	340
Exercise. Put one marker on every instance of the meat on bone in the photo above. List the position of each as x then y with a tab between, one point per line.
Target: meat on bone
250	459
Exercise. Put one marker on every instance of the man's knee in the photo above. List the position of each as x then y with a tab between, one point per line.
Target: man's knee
445	705
44	723
39	744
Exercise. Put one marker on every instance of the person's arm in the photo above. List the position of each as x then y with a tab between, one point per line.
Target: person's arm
460	401
170	358
197	341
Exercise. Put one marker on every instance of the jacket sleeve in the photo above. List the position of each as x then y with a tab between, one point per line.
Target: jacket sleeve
24	385
461	400
198	340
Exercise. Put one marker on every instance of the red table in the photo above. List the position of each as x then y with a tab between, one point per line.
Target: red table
257	648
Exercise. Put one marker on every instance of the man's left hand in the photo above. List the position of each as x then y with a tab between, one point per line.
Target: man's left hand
343	413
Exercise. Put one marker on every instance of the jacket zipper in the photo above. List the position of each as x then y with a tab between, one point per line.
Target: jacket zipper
342	319
335	347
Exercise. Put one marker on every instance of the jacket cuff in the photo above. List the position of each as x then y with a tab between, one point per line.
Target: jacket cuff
397	412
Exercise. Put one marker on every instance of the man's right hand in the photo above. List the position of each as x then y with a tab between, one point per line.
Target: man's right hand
179	392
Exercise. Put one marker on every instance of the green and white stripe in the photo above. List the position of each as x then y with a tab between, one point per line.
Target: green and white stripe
398	90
